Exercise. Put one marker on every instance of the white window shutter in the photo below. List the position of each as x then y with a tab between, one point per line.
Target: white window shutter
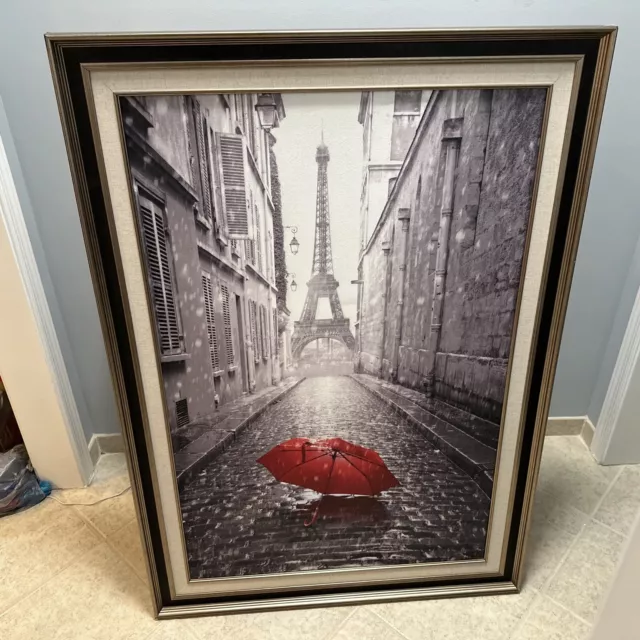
232	160
210	315
226	314
203	159
159	271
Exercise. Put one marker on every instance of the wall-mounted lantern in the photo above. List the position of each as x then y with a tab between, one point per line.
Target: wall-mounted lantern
267	111
294	245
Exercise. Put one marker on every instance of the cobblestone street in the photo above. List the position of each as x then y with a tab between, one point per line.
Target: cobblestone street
239	520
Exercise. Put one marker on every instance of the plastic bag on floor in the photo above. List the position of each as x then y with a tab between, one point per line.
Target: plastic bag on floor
19	487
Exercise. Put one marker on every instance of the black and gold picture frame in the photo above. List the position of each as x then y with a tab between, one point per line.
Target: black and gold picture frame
332	270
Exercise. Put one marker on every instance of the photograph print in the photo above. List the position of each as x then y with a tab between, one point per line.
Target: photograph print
334	278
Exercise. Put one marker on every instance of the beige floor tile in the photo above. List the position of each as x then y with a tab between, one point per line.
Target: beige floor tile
127	543
560	514
366	625
569	473
97	598
111	515
546	546
36	544
585	574
110	477
110	465
310	624
620	506
107	503
173	630
482	618
548	621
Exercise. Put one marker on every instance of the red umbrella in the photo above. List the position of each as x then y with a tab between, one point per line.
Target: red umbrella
329	466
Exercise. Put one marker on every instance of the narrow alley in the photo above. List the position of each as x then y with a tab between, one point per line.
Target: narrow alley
438	513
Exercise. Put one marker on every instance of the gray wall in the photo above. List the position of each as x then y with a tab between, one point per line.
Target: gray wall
97	415
611	227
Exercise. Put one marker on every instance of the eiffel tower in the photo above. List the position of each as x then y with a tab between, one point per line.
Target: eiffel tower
322	283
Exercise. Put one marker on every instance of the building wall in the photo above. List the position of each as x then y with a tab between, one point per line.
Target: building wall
199	247
479	313
381	113
425	169
372	312
169	133
499	139
27	81
386	138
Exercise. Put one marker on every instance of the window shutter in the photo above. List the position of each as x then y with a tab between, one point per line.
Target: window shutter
209	309
258	239
251	129
264	342
261	347
269	252
250	245
202	143
267	334
231	153
254	329
261	329
163	296
182	413
226	314
274	328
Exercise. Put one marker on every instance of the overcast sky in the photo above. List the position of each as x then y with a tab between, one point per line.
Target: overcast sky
297	138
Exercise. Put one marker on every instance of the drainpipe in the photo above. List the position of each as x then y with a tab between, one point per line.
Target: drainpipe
404	216
451	140
386	247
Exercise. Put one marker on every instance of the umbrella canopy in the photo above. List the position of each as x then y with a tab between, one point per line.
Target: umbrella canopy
329	466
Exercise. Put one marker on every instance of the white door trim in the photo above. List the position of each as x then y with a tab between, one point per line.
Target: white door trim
618	392
44	405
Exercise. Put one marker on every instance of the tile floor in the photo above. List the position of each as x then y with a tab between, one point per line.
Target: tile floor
77	572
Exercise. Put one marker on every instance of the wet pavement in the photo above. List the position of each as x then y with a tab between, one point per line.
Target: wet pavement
239	520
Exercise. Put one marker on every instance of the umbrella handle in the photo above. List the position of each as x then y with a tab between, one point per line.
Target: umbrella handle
308	523
315	513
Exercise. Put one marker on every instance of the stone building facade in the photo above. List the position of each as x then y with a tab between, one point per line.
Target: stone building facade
389	121
441	269
201	169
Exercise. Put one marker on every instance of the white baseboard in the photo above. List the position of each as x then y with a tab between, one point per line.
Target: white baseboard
105	443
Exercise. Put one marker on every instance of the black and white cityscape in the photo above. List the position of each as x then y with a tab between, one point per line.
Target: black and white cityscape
334	280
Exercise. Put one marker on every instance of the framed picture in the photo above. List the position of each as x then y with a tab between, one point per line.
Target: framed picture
332	270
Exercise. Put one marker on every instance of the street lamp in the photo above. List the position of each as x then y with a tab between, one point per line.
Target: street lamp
294	245
267	111
294	285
